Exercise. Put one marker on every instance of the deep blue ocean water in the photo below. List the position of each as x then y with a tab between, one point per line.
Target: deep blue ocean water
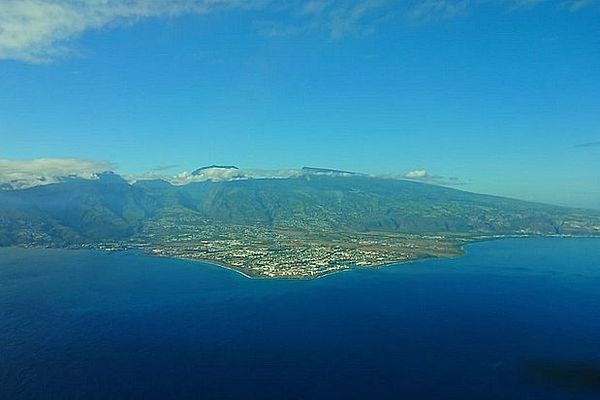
513	319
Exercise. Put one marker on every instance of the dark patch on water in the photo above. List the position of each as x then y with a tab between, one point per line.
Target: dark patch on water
572	375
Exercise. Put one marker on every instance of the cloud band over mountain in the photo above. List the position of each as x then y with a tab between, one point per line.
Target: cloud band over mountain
19	174
22	174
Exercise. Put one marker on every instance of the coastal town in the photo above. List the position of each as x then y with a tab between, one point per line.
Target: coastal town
303	250
259	251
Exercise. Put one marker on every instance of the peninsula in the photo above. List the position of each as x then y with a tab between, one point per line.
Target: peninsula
312	223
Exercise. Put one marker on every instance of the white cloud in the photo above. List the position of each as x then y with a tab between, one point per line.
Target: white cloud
43	171
22	174
576	5
338	18
438	9
213	174
345	19
40	30
429	10
219	175
422	175
315	7
416	174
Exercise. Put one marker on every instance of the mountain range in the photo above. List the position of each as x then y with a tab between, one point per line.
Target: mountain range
76	210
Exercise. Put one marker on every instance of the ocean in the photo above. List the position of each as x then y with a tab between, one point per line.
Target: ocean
512	319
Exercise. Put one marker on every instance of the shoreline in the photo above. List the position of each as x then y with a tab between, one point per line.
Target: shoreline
245	275
461	252
461	248
463	243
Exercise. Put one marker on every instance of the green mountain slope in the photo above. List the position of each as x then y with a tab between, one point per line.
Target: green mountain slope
78	211
365	203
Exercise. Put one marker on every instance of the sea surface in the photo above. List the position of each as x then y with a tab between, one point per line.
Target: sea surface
512	319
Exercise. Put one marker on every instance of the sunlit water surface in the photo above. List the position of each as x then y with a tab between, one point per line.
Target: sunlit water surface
513	319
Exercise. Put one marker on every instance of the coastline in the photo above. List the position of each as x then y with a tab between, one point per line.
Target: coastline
245	275
461	252
462	244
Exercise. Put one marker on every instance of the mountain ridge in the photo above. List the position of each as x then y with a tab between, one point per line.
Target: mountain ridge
297	227
110	206
200	170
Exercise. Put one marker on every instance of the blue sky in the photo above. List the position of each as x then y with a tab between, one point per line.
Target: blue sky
503	95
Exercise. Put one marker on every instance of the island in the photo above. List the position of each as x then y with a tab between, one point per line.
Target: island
316	222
